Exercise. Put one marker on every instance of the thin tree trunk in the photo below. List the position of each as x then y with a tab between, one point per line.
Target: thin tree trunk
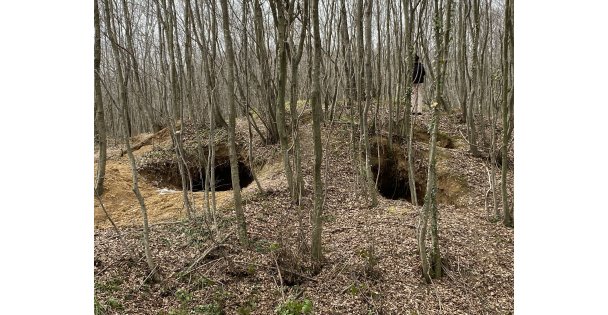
100	123
282	25
268	94
234	171
409	124
433	269
507	210
249	118
371	187
299	181
474	88
430	199
122	96
360	93
389	77
316	250
462	59
351	87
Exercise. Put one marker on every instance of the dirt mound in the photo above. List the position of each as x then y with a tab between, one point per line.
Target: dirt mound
391	170
370	253
159	178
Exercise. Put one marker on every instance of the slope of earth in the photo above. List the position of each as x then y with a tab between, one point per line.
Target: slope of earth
371	261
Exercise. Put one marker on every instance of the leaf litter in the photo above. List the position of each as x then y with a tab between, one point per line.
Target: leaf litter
371	263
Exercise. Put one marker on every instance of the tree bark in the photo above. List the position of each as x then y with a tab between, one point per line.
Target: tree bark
100	123
282	25
507	210
122	97
296	57
249	118
409	124
316	130
474	88
371	187
267	91
234	171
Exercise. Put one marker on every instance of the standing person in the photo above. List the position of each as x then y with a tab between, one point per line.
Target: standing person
418	80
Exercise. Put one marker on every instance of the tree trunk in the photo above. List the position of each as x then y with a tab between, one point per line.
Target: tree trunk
409	124
267	91
100	123
508	214
433	269
390	77
462	59
316	130
170	25
351	87
249	118
282	26
122	97
360	93
234	171
293	105
371	187
474	88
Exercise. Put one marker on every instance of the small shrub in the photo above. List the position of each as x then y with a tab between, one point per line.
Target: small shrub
204	282
246	309
210	309
295	307
111	285
178	311
371	261
99	309
183	296
114	304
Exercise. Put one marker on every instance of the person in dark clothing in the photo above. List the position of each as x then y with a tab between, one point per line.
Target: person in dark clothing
418	80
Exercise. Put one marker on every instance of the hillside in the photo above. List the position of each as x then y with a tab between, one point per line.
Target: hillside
371	261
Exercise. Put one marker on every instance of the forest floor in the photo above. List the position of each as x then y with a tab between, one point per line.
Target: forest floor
371	263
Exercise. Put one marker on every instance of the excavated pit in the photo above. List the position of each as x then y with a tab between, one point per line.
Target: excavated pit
390	168
160	167
223	178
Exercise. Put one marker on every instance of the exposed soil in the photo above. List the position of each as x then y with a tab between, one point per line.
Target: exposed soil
371	259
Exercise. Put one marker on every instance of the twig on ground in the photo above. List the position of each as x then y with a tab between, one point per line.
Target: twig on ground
272	267
280	277
122	240
147	277
206	252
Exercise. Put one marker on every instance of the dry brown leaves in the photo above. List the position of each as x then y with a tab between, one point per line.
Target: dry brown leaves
371	257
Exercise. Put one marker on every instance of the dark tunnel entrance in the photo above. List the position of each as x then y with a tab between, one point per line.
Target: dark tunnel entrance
223	178
393	184
391	171
161	169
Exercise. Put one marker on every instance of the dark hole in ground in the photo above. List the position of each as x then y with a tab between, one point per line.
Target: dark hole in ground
160	167
393	184
223	178
393	180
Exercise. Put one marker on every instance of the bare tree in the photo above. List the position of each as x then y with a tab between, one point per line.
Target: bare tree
371	187
351	87
296	57
472	131
100	123
250	120
409	10
234	170
507	97
122	97
282	14
267	90
316	130
433	268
